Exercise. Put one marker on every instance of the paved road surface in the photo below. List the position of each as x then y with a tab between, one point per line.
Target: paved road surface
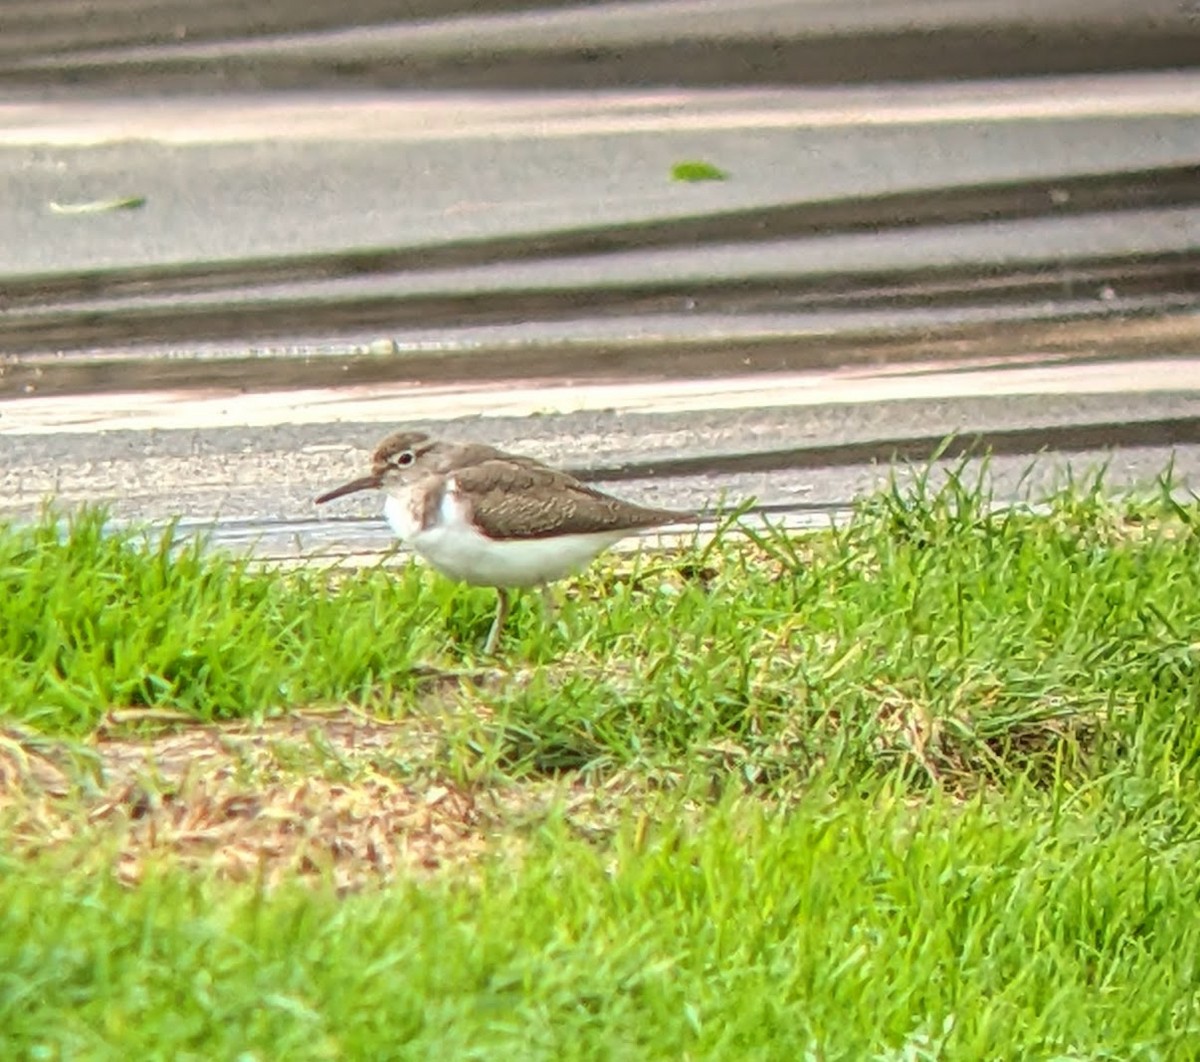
344	224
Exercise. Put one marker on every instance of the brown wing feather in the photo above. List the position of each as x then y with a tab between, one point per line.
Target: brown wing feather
527	499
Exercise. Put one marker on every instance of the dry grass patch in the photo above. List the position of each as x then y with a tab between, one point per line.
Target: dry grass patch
244	798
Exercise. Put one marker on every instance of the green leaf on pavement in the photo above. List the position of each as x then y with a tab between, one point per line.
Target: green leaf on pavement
697	171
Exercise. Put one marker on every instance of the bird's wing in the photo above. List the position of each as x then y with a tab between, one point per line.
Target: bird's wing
526	499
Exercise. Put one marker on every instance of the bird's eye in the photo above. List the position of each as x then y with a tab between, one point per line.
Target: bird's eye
405	458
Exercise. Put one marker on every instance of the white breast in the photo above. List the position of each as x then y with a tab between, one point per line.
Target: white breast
398	511
455	548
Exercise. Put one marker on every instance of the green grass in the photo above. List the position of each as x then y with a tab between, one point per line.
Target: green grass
929	635
845	929
922	786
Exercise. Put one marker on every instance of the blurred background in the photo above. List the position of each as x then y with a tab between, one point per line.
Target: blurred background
691	249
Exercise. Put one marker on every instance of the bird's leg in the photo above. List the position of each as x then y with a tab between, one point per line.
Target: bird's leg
493	638
549	603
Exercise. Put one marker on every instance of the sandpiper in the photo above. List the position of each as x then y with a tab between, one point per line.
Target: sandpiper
490	518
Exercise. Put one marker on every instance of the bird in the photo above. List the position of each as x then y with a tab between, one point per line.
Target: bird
485	517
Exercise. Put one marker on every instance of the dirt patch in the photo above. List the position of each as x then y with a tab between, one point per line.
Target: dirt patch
308	795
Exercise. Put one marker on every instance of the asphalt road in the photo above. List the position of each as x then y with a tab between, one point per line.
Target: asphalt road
517	45
336	224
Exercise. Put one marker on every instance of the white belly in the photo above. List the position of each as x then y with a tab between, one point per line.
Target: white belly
456	549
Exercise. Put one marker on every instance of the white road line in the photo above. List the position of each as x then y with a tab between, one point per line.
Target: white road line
396	403
416	118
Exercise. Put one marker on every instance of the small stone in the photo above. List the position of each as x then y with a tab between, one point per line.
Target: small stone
384	345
